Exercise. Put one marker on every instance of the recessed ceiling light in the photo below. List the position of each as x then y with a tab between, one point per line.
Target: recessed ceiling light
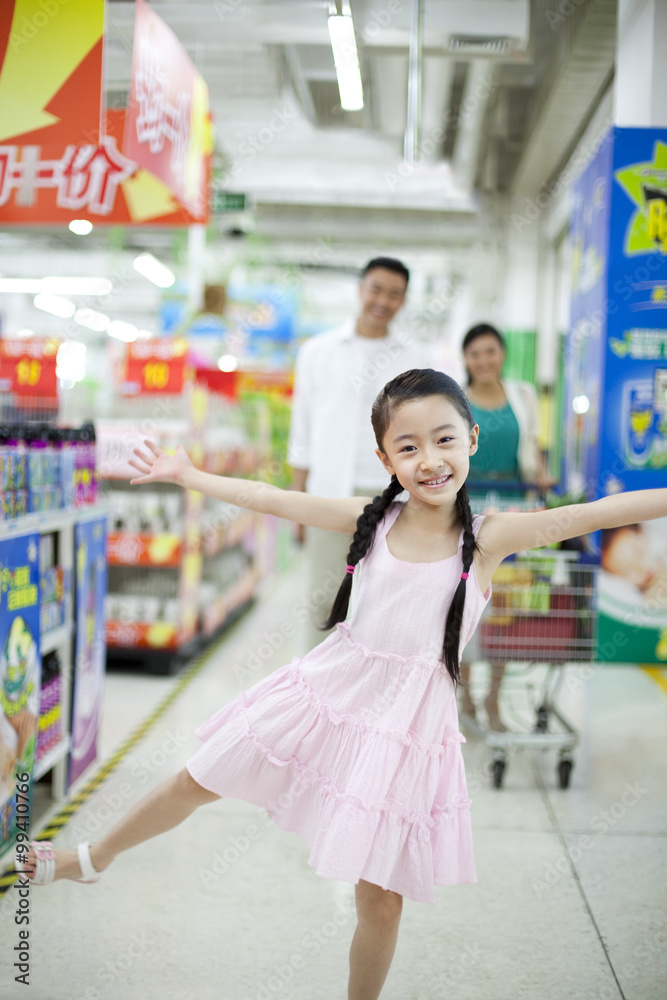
81	227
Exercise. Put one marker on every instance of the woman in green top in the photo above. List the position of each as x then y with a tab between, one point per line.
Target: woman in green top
506	411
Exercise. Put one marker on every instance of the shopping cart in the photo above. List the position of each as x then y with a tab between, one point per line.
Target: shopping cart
540	619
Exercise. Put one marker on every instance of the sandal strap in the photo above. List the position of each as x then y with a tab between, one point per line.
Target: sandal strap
88	872
45	862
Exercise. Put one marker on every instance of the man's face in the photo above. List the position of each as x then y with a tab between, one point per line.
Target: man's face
381	293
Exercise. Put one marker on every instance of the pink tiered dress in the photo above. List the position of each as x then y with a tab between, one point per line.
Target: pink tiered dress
356	746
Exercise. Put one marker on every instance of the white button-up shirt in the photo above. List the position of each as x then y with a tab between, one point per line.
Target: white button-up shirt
338	374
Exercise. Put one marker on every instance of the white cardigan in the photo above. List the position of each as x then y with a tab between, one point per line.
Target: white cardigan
522	398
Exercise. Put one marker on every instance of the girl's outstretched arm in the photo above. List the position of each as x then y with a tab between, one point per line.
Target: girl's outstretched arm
503	534
155	466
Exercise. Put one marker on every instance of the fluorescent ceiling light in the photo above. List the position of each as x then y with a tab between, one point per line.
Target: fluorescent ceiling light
76	286
154	270
123	331
71	361
228	363
57	285
344	45
81	227
93	320
55	305
25	333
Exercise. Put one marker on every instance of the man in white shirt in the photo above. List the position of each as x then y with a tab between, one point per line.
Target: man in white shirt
331	448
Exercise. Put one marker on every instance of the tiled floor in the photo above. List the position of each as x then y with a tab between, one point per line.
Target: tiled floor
570	904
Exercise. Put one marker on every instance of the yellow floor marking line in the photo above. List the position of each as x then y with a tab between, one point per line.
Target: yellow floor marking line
71	807
658	674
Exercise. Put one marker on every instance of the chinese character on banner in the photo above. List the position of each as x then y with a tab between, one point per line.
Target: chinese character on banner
155	366
168	126
85	177
28	368
54	184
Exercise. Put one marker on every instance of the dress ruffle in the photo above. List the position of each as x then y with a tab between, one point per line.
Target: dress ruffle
356	746
371	801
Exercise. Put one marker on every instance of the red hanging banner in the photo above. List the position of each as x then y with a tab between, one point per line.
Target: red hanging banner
168	121
155	366
28	368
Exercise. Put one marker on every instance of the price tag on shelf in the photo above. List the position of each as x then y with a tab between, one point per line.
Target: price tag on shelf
28	367
155	366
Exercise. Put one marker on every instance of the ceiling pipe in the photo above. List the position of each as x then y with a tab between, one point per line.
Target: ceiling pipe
470	120
411	140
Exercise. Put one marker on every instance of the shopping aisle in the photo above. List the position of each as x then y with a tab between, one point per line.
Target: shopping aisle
227	907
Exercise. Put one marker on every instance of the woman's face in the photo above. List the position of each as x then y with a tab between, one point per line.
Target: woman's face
484	358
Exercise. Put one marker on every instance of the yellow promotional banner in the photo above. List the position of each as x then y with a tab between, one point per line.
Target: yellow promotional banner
51	71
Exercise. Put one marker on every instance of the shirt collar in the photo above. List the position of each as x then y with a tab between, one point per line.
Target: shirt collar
348	331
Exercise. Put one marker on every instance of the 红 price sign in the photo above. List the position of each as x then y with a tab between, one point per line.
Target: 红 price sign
155	366
28	368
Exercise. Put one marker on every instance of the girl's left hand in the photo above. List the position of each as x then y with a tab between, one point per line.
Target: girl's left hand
157	467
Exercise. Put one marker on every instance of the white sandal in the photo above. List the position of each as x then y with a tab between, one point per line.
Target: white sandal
45	863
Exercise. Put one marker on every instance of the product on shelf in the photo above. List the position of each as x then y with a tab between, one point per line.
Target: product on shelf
145	512
49	731
45	468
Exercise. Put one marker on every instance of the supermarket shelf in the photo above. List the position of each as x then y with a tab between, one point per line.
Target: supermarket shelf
127	548
53	520
51	758
228	536
222	608
55	638
142	635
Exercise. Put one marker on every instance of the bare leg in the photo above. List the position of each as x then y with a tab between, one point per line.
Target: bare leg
467	704
491	703
172	801
374	941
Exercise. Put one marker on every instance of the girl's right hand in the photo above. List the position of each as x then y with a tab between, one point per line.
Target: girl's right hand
157	467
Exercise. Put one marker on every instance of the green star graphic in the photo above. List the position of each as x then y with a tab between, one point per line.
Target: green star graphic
634	180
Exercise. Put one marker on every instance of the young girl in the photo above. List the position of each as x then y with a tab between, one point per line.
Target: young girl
358	741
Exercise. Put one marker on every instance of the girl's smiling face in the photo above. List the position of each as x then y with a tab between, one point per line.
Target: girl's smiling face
427	446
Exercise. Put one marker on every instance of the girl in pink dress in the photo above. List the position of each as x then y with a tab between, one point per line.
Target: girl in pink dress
356	746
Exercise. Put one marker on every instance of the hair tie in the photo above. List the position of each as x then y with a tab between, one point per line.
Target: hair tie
349	569
464	576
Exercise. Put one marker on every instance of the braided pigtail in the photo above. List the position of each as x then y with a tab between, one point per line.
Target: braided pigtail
450	649
361	542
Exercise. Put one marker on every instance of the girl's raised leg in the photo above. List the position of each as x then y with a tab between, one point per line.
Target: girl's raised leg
374	941
172	801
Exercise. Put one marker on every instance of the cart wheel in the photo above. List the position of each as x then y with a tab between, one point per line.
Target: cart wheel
542	720
498	772
565	765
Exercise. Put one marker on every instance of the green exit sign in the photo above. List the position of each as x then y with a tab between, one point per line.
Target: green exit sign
226	201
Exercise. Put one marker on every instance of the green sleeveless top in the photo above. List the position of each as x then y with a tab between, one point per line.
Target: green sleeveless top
497	454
